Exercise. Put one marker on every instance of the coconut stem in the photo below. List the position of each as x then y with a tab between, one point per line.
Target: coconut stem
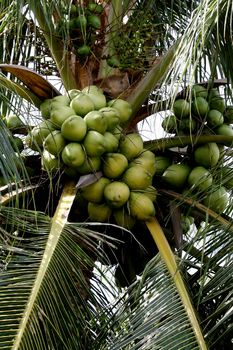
183	141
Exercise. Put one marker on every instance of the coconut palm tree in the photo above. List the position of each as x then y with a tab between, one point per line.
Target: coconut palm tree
68	281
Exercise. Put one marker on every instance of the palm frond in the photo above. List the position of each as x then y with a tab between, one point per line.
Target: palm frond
19	90
151	315
211	274
204	45
46	267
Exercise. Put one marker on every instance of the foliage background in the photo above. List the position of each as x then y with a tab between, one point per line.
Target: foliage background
46	301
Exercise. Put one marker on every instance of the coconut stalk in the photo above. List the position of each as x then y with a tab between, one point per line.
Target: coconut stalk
183	141
112	20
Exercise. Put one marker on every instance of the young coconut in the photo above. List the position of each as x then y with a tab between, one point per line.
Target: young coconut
112	117
49	162
39	133
74	128
181	108
73	155
176	175
90	165
82	104
99	212
137	178
131	145
199	90
54	142
98	99
147	160
111	142
45	108
141	207
123	218
200	179
123	107
59	115
217	200
13	121
116	194
114	165
95	191
60	100
200	106
94	143
95	120
207	155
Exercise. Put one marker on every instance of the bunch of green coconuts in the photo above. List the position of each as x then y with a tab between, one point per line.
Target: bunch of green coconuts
205	112
83	22
81	134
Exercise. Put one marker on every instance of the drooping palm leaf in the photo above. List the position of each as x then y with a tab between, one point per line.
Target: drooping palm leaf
207	281
152	315
49	290
210	25
19	90
35	83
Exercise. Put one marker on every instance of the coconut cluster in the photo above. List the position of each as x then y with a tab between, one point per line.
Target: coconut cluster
82	134
204	113
84	23
125	191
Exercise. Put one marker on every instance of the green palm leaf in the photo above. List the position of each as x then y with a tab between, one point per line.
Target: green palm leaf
155	317
42	284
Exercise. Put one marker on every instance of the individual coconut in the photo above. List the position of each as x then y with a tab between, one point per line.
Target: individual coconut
49	162
123	107
200	179
54	142
137	178
131	145
73	155
95	191
217	200
200	106
74	128
116	194
98	99
141	207
147	160
99	212
90	165
207	155
111	116
111	142
176	175
114	165
82	104
94	143
181	108
95	120
59	115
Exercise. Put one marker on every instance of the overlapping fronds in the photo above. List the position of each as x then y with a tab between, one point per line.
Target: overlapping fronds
204	50
50	295
208	262
46	299
152	316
